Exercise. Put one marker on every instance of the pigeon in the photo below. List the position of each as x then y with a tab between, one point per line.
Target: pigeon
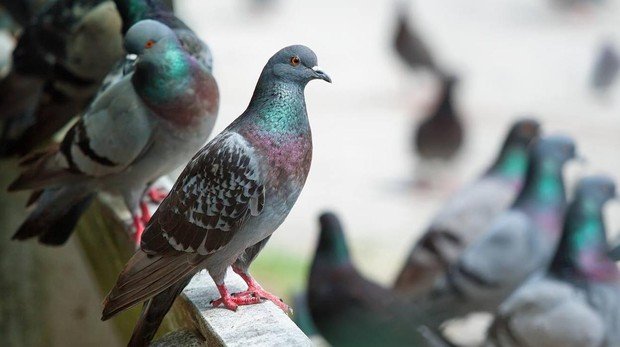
350	310
143	127
577	302
469	212
519	243
232	195
408	45
440	135
75	74
61	58
605	68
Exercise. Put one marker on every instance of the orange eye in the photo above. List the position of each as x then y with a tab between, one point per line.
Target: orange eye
149	44
295	60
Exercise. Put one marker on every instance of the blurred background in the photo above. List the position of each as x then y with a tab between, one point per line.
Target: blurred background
512	58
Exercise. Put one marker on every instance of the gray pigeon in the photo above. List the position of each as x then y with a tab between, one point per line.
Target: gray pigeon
228	201
141	128
519	243
469	213
578	302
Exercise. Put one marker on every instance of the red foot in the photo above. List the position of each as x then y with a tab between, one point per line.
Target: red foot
231	302
138	225
256	291
157	195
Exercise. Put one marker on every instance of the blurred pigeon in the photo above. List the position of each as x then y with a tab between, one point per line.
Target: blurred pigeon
605	68
60	60
348	309
67	71
440	135
520	241
578	302
141	128
469	212
408	44
228	201
22	11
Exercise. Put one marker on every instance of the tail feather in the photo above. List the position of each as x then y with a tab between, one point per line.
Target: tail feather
145	276
153	313
43	170
54	219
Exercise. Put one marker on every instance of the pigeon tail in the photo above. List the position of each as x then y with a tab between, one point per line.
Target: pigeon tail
55	216
153	312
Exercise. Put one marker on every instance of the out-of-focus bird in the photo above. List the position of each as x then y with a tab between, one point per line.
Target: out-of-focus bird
228	201
59	62
408	44
578	302
605	69
350	310
519	243
469	212
440	135
141	128
60	72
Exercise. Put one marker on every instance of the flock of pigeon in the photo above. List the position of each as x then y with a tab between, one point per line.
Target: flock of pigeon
140	83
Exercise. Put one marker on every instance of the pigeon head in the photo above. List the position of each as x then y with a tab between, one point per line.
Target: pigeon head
557	148
596	189
332	245
523	132
145	35
296	64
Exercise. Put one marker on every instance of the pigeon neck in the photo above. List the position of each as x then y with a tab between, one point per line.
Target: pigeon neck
511	163
131	11
445	109
279	107
582	252
543	198
333	248
163	78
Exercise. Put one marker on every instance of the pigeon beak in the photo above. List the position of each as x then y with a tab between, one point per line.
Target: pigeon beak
130	62
320	74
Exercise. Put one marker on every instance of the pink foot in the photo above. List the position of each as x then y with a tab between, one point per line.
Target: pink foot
231	302
256	291
146	214
157	195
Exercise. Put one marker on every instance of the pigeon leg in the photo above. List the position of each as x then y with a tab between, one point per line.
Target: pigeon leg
138	225
231	302
255	290
157	195
146	213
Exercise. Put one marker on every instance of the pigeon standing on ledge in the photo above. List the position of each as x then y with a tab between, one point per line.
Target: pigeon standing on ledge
228	201
141	128
469	213
349	310
578	302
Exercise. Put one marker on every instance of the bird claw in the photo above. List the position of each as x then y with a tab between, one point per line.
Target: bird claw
232	302
157	195
260	293
138	225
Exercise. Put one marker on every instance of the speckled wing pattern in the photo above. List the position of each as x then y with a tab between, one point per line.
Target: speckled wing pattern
212	199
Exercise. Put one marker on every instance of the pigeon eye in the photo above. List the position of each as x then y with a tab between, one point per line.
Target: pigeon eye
149	44
295	60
